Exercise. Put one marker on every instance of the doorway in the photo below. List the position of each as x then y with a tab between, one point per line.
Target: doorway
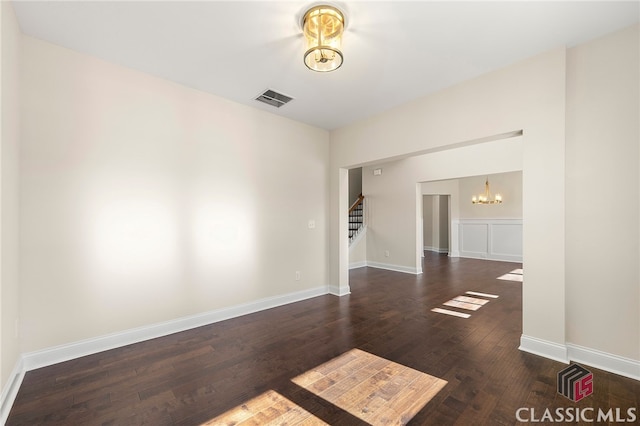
436	223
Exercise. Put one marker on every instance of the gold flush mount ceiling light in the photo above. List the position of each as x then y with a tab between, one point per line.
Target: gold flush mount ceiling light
323	27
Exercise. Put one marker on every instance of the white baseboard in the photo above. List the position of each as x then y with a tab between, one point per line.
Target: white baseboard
436	249
356	265
604	361
389	267
493	257
66	352
339	291
544	348
396	268
81	348
10	391
590	357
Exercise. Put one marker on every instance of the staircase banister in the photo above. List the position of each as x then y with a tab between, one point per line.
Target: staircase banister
356	203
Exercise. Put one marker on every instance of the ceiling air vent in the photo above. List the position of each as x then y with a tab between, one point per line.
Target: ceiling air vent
273	98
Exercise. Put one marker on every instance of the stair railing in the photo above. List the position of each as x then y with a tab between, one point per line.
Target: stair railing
356	217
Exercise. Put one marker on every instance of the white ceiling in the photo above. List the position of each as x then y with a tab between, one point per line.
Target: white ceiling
394	51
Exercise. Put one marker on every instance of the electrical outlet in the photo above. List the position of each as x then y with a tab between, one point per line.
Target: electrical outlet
17	329
386	253
297	275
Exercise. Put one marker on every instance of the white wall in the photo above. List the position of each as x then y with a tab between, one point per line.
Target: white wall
492	239
391	196
603	281
527	96
499	226
143	201
10	134
358	251
598	302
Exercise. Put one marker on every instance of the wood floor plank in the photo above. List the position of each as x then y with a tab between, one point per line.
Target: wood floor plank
390	393
192	377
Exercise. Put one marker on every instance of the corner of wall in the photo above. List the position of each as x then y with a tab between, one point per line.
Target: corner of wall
10	135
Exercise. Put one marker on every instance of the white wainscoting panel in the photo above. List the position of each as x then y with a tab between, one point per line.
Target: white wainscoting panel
474	240
492	239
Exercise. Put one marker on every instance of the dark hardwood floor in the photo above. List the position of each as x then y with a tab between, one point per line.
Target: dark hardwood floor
191	377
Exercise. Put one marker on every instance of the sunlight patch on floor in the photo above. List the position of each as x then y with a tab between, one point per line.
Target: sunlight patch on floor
462	305
374	389
475	293
268	408
515	275
465	302
449	312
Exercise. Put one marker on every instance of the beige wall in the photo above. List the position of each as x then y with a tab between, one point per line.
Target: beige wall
9	287
143	201
597	302
509	185
427	223
603	282
443	223
358	251
528	96
435	224
355	184
449	190
393	222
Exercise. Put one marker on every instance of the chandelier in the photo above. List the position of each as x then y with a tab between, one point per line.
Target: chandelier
486	197
323	27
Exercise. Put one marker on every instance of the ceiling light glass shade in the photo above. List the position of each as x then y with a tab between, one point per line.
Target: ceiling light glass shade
323	27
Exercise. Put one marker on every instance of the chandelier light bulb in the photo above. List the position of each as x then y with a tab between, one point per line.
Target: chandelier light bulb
486	197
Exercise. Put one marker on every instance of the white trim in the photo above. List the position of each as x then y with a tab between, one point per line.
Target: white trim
338	291
10	390
485	246
396	268
592	357
605	361
454	237
359	235
436	249
356	265
94	345
544	348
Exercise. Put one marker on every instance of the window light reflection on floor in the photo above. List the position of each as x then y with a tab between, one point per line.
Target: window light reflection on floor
267	408
374	389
